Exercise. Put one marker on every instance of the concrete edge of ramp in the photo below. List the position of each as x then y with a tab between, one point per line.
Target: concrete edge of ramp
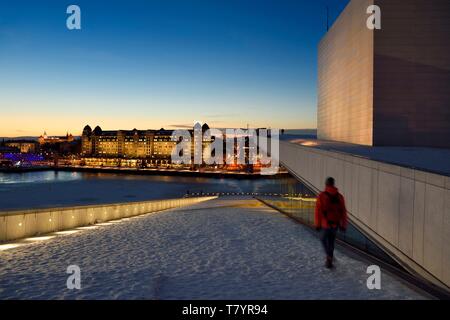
27	223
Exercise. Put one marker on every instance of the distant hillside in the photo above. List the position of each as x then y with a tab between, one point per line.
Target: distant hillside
27	138
20	138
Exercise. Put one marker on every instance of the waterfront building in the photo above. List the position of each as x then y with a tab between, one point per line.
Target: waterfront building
23	146
155	146
5	149
147	147
45	139
162	147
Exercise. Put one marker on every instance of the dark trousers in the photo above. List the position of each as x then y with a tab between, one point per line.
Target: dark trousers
328	238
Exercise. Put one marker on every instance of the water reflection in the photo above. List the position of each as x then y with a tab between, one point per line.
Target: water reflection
39	177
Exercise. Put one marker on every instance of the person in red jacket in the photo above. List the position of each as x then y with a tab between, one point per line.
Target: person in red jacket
330	215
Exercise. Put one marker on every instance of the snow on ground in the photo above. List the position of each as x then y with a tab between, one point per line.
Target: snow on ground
220	249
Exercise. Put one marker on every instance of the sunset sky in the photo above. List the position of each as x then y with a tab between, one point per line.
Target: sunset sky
152	64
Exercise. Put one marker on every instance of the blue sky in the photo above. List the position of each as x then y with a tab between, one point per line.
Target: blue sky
149	64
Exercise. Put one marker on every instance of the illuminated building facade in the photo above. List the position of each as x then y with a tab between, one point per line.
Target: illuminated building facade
23	146
155	146
119	143
45	139
162	146
143	147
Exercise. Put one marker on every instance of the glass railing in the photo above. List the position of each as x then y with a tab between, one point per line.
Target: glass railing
298	202
294	199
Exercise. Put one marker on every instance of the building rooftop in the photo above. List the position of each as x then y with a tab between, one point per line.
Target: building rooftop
254	253
435	160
